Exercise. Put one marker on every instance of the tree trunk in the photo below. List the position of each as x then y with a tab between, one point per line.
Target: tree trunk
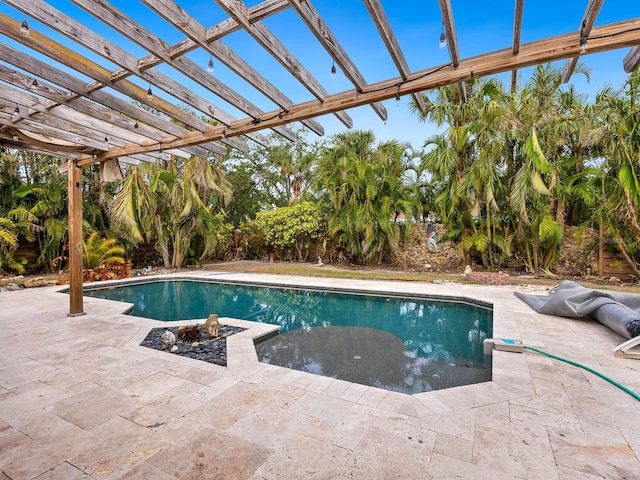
601	251
162	244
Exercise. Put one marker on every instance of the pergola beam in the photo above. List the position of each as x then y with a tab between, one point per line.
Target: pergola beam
588	20
606	37
119	21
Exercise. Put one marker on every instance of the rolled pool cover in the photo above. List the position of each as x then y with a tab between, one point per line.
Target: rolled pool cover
617	310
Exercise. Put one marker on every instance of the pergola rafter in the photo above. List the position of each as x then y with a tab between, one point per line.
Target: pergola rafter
388	37
517	30
452	40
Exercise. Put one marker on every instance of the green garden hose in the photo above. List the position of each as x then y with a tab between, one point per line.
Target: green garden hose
601	375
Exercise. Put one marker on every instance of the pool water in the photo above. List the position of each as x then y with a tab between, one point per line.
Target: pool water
403	344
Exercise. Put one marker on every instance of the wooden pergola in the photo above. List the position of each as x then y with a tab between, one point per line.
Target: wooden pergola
71	113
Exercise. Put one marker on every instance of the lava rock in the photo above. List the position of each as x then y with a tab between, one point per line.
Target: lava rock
207	348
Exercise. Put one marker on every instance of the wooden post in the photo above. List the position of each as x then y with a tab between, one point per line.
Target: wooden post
75	239
601	251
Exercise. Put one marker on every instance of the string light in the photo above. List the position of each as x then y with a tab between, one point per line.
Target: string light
149	93
210	65
15	137
443	37
24	28
34	84
106	139
95	154
333	71
136	125
583	38
16	110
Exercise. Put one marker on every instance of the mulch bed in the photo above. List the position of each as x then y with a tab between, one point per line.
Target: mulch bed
205	348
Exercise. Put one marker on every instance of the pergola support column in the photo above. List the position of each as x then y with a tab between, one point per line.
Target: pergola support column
75	239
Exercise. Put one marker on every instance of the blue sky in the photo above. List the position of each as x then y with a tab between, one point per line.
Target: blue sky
481	27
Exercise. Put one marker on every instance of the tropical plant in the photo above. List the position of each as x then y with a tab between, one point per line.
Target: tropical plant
46	204
174	207
365	185
100	252
282	173
619	114
292	229
465	164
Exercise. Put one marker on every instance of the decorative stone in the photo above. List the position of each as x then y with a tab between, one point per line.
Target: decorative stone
10	287
35	282
174	349
168	340
212	325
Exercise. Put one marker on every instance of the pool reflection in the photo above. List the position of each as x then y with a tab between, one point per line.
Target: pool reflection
366	356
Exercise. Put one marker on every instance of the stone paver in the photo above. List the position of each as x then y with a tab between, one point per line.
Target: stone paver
80	400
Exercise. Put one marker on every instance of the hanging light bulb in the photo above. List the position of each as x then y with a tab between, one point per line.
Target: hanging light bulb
583	38
583	44
34	84
95	154
397	98
106	139
210	65
16	110
24	28
135	125
333	71
149	93
15	137
443	38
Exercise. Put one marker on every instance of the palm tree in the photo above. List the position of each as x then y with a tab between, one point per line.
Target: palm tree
553	135
365	186
619	113
464	162
174	206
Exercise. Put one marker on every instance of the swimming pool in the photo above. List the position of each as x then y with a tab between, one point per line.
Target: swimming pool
406	343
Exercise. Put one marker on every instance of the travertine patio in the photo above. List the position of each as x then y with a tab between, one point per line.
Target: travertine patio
79	398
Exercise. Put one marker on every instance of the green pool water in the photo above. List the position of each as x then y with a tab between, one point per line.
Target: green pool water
406	344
